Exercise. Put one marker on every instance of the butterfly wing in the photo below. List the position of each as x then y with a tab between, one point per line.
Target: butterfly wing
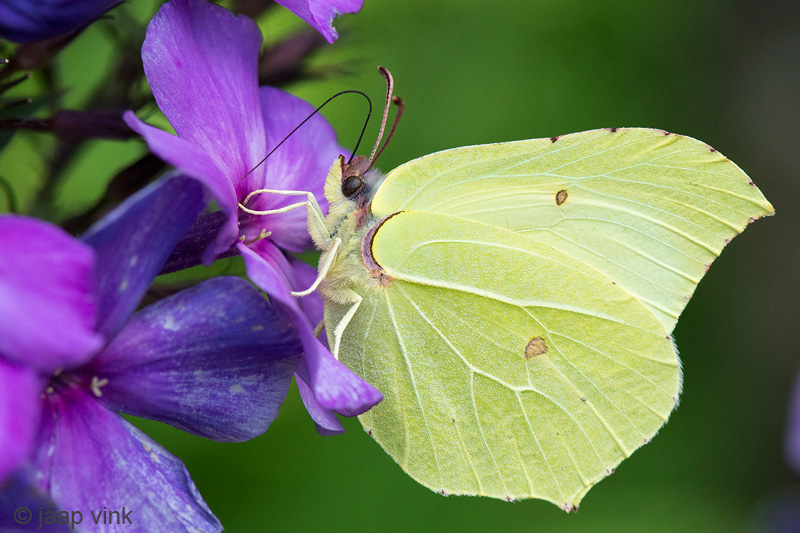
522	340
509	369
649	209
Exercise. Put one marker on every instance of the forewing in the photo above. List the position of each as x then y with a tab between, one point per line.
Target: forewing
649	209
509	369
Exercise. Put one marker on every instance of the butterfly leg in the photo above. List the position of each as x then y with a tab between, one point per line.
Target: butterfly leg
316	219
342	325
325	264
316	227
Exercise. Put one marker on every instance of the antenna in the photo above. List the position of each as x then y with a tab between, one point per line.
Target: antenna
400	108
326	102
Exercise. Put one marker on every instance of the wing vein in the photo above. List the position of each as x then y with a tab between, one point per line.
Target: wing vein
414	385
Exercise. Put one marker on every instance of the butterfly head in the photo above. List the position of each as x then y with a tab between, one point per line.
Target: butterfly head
352	184
353	176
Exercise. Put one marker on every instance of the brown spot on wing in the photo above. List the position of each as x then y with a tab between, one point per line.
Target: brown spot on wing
561	196
536	346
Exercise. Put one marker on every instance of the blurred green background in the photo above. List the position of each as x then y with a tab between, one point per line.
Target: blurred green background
726	72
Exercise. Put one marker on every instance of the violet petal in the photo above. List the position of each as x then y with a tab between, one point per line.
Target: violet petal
201	61
273	273
319	14
325	419
20	491
133	242
91	459
194	243
25	21
215	360
792	444
45	287
19	414
305	275
191	159
334	385
301	163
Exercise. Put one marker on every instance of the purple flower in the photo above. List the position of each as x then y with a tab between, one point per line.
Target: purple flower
25	20
201	62
792	444
215	360
319	14
19	491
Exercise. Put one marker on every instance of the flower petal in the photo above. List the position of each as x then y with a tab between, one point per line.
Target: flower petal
215	360
335	386
269	270
20	491
325	419
792	444
19	414
305	275
196	242
24	21
45	286
191	159
301	163
91	459
133	242
201	61
319	14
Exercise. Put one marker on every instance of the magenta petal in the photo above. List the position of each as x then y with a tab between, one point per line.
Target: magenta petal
270	271
335	386
191	159
319	14
201	61
305	275
215	360
90	459
19	414
188	157
325	419
301	163
47	305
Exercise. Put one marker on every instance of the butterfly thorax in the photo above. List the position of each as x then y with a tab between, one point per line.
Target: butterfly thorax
349	219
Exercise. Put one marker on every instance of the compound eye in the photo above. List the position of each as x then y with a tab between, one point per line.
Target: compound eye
351	185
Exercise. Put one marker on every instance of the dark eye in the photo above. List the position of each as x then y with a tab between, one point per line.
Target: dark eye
351	185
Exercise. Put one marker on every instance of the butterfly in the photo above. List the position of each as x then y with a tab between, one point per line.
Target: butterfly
514	302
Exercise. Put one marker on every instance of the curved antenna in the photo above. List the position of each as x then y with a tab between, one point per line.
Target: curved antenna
326	102
400	108
389	88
